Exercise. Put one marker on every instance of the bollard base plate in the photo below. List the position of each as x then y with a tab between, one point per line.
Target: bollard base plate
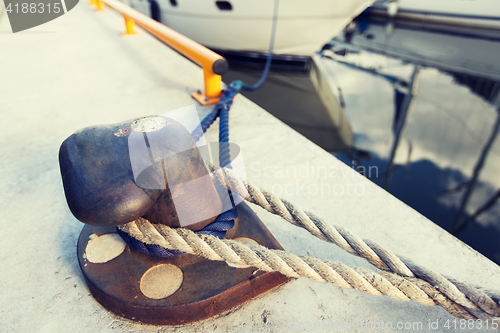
176	290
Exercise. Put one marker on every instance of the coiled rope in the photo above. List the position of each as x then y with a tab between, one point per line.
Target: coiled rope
401	280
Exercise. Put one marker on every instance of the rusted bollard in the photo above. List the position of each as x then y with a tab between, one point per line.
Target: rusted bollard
150	167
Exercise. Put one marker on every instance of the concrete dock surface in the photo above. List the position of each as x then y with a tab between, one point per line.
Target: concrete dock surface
77	71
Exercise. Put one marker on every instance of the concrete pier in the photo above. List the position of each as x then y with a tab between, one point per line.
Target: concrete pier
78	71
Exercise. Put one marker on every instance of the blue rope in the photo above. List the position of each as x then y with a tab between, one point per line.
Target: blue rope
224	150
221	109
218	228
225	102
205	124
263	77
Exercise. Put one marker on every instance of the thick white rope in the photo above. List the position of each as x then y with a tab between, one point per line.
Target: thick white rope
402	279
480	303
236	253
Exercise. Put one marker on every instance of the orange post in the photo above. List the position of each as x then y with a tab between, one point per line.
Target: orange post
213	64
212	92
100	5
129	27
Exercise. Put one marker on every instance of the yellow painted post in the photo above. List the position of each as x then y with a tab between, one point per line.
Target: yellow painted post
212	92
129	26
100	5
93	2
212	84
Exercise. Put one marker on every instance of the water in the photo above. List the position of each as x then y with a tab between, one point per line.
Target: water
416	103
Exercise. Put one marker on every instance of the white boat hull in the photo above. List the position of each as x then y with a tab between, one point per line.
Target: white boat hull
303	27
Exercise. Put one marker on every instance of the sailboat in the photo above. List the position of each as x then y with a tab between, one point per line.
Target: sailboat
245	26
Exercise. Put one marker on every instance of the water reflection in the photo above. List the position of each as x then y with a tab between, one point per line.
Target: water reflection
422	104
305	100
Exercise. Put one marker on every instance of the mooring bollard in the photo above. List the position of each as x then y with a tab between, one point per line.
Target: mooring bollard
151	168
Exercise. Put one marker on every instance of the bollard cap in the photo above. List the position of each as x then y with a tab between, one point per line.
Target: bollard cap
151	167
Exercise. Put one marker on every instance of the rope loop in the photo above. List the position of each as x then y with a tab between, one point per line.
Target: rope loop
218	228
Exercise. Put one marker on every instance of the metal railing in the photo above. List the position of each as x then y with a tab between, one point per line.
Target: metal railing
213	65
